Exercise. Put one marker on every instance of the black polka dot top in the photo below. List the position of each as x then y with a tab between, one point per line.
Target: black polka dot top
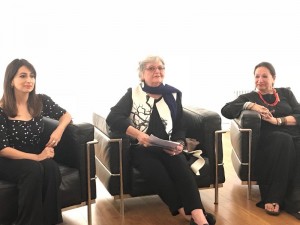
25	135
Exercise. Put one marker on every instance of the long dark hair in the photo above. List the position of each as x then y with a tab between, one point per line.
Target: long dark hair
269	66
8	99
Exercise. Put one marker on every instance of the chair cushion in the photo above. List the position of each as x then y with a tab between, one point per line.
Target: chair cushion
70	189
70	186
8	201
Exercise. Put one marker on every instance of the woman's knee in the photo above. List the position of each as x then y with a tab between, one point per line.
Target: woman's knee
284	137
51	170
32	171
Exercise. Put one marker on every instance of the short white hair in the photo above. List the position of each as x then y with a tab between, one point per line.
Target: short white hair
149	59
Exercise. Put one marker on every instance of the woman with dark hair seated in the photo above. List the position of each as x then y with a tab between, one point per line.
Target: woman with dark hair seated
277	160
22	160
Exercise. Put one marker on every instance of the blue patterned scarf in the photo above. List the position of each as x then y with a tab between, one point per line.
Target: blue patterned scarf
167	93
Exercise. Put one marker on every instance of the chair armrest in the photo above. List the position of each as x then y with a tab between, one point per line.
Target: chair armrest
249	119
240	139
71	151
108	155
202	125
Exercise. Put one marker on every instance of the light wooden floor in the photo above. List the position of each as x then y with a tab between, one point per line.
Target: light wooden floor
233	207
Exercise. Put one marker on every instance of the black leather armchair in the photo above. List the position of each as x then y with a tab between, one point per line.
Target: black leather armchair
203	125
75	155
244	135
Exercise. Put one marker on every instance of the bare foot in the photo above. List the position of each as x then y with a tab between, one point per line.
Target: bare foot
272	209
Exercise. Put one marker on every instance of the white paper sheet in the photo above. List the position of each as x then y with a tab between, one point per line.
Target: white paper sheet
155	141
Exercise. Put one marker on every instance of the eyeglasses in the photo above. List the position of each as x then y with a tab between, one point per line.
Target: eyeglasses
153	68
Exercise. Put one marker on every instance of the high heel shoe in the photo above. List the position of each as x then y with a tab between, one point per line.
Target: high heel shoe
209	217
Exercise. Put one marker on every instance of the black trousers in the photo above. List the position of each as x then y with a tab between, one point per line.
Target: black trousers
170	176
278	169
38	190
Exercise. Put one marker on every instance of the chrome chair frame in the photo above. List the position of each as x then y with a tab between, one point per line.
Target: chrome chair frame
249	164
89	202
216	185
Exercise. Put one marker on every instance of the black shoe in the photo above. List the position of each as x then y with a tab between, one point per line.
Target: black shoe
209	217
192	222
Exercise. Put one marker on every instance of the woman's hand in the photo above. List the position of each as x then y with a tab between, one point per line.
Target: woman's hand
269	119
178	150
263	111
54	138
265	114
47	153
143	139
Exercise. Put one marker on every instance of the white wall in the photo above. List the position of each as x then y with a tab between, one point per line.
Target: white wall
86	52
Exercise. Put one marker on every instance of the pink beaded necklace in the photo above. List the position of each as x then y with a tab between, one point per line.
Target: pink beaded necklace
276	98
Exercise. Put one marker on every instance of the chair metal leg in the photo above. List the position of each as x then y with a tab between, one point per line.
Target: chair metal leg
121	179
119	140
88	169
249	161
249	165
217	134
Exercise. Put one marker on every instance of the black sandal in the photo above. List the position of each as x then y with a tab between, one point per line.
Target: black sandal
209	217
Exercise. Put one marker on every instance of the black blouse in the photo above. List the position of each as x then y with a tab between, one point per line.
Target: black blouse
25	135
287	106
118	119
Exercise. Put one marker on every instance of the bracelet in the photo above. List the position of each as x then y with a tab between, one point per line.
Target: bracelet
252	105
279	121
246	105
283	119
182	143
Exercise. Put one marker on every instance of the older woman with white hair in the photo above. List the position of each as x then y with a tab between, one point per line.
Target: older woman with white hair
155	108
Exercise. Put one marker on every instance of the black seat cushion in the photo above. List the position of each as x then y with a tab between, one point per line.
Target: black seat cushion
70	189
